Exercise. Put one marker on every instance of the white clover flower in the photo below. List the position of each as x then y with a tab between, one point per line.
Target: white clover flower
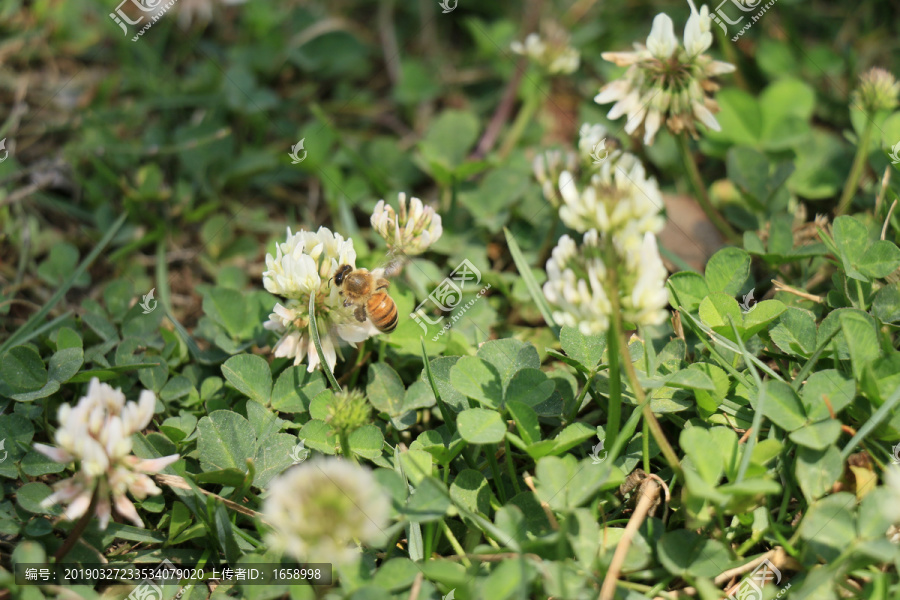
645	277
666	84
575	285
547	167
322	508
697	35
96	433
304	266
662	41
578	284
554	55
619	195
412	230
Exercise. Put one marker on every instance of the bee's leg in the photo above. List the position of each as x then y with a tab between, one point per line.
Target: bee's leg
381	284
360	314
347	303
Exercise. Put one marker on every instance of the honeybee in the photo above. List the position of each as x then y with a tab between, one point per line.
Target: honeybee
364	290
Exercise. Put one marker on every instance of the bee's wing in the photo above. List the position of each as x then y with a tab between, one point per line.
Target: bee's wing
392	266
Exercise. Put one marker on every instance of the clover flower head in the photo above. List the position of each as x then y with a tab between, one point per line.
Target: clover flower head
644	280
665	83
547	167
411	230
575	284
620	194
551	52
304	266
96	434
319	509
878	90
578	285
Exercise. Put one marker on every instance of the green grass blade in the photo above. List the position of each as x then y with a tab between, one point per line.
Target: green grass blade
17	337
446	412
692	324
45	327
758	410
165	298
874	421
804	371
314	332
530	282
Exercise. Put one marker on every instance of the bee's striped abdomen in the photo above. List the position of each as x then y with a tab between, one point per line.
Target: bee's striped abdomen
383	312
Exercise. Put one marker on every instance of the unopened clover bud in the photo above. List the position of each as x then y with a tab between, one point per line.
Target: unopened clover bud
348	411
877	90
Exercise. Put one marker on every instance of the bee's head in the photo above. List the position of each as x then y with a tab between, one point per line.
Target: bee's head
341	273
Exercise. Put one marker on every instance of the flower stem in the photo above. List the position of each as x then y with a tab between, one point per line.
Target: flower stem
345	446
700	191
79	528
617	325
859	163
511	467
614	414
549	240
523	118
455	544
491	452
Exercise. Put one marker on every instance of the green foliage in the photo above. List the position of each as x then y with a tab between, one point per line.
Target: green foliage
161	165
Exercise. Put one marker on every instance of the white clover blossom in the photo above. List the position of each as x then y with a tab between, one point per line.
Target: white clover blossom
547	167
644	281
96	434
619	196
304	266
666	84
411	230
575	285
697	35
322	508
578	281
552	53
